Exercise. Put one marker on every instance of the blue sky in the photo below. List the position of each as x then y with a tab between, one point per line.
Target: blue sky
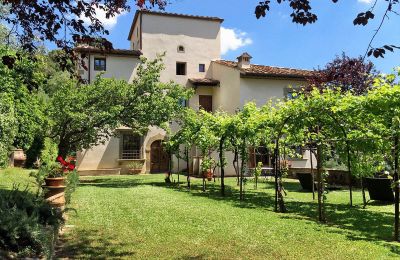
275	40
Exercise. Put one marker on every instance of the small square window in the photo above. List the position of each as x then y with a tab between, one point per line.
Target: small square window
181	68
202	67
100	64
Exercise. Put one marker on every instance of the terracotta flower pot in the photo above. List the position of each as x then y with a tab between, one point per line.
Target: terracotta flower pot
54	191
209	175
55	195
55	182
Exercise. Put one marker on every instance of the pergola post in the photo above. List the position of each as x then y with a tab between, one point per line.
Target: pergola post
396	187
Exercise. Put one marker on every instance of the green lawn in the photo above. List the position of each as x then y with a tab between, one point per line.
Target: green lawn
140	217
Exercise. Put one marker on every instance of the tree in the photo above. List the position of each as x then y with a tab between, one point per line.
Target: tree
344	73
86	115
189	125
8	128
20	82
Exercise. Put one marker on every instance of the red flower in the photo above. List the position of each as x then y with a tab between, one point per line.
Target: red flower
61	160
67	166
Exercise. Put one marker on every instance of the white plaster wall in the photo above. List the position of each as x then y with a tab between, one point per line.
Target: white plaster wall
226	96
102	156
200	38
262	90
305	162
117	66
135	39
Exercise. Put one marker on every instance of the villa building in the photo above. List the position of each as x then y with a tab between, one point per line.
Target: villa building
192	47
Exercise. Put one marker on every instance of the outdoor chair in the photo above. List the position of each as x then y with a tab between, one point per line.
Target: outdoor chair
305	181
379	189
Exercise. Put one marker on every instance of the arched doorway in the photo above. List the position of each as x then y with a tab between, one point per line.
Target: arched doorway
159	159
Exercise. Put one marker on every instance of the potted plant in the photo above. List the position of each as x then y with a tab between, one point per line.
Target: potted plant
54	179
135	167
206	166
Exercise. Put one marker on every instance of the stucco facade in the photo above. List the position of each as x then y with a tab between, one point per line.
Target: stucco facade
195	42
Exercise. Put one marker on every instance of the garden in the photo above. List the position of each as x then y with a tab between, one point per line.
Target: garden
140	217
346	114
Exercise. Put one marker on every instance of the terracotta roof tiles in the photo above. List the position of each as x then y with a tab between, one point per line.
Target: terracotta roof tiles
267	71
204	82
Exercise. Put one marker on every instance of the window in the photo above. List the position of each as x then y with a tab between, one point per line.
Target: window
131	147
202	67
291	93
205	102
183	102
181	48
181	68
100	64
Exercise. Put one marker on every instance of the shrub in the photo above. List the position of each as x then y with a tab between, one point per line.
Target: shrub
27	224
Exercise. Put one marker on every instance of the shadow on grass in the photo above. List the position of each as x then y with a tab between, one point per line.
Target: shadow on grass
90	244
111	182
354	222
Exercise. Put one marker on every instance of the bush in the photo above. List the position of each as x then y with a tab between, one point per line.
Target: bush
49	152
27	224
34	152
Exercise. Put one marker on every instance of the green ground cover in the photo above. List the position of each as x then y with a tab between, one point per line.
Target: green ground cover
141	217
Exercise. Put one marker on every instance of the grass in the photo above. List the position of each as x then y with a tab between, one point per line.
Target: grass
141	217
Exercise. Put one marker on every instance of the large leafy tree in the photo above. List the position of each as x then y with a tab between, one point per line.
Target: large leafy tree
344	73
20	81
7	127
84	115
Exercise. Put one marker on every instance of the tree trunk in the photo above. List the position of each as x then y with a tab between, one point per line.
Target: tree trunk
312	173
178	163
241	177
236	165
349	173
221	162
363	193
243	158
168	179
396	187
187	167
321	215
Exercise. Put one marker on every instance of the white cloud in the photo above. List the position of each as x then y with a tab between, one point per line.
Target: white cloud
101	15
233	39
365	1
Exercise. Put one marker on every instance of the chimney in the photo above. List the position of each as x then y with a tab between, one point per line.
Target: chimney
244	60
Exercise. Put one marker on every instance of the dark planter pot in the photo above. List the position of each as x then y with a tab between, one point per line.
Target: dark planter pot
55	182
54	191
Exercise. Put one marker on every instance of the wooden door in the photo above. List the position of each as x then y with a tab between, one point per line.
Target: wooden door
205	102
159	159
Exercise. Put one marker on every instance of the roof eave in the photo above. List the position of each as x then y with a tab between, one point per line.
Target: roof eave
271	76
109	52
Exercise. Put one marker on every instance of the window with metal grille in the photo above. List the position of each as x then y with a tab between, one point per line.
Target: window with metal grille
100	64
131	146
